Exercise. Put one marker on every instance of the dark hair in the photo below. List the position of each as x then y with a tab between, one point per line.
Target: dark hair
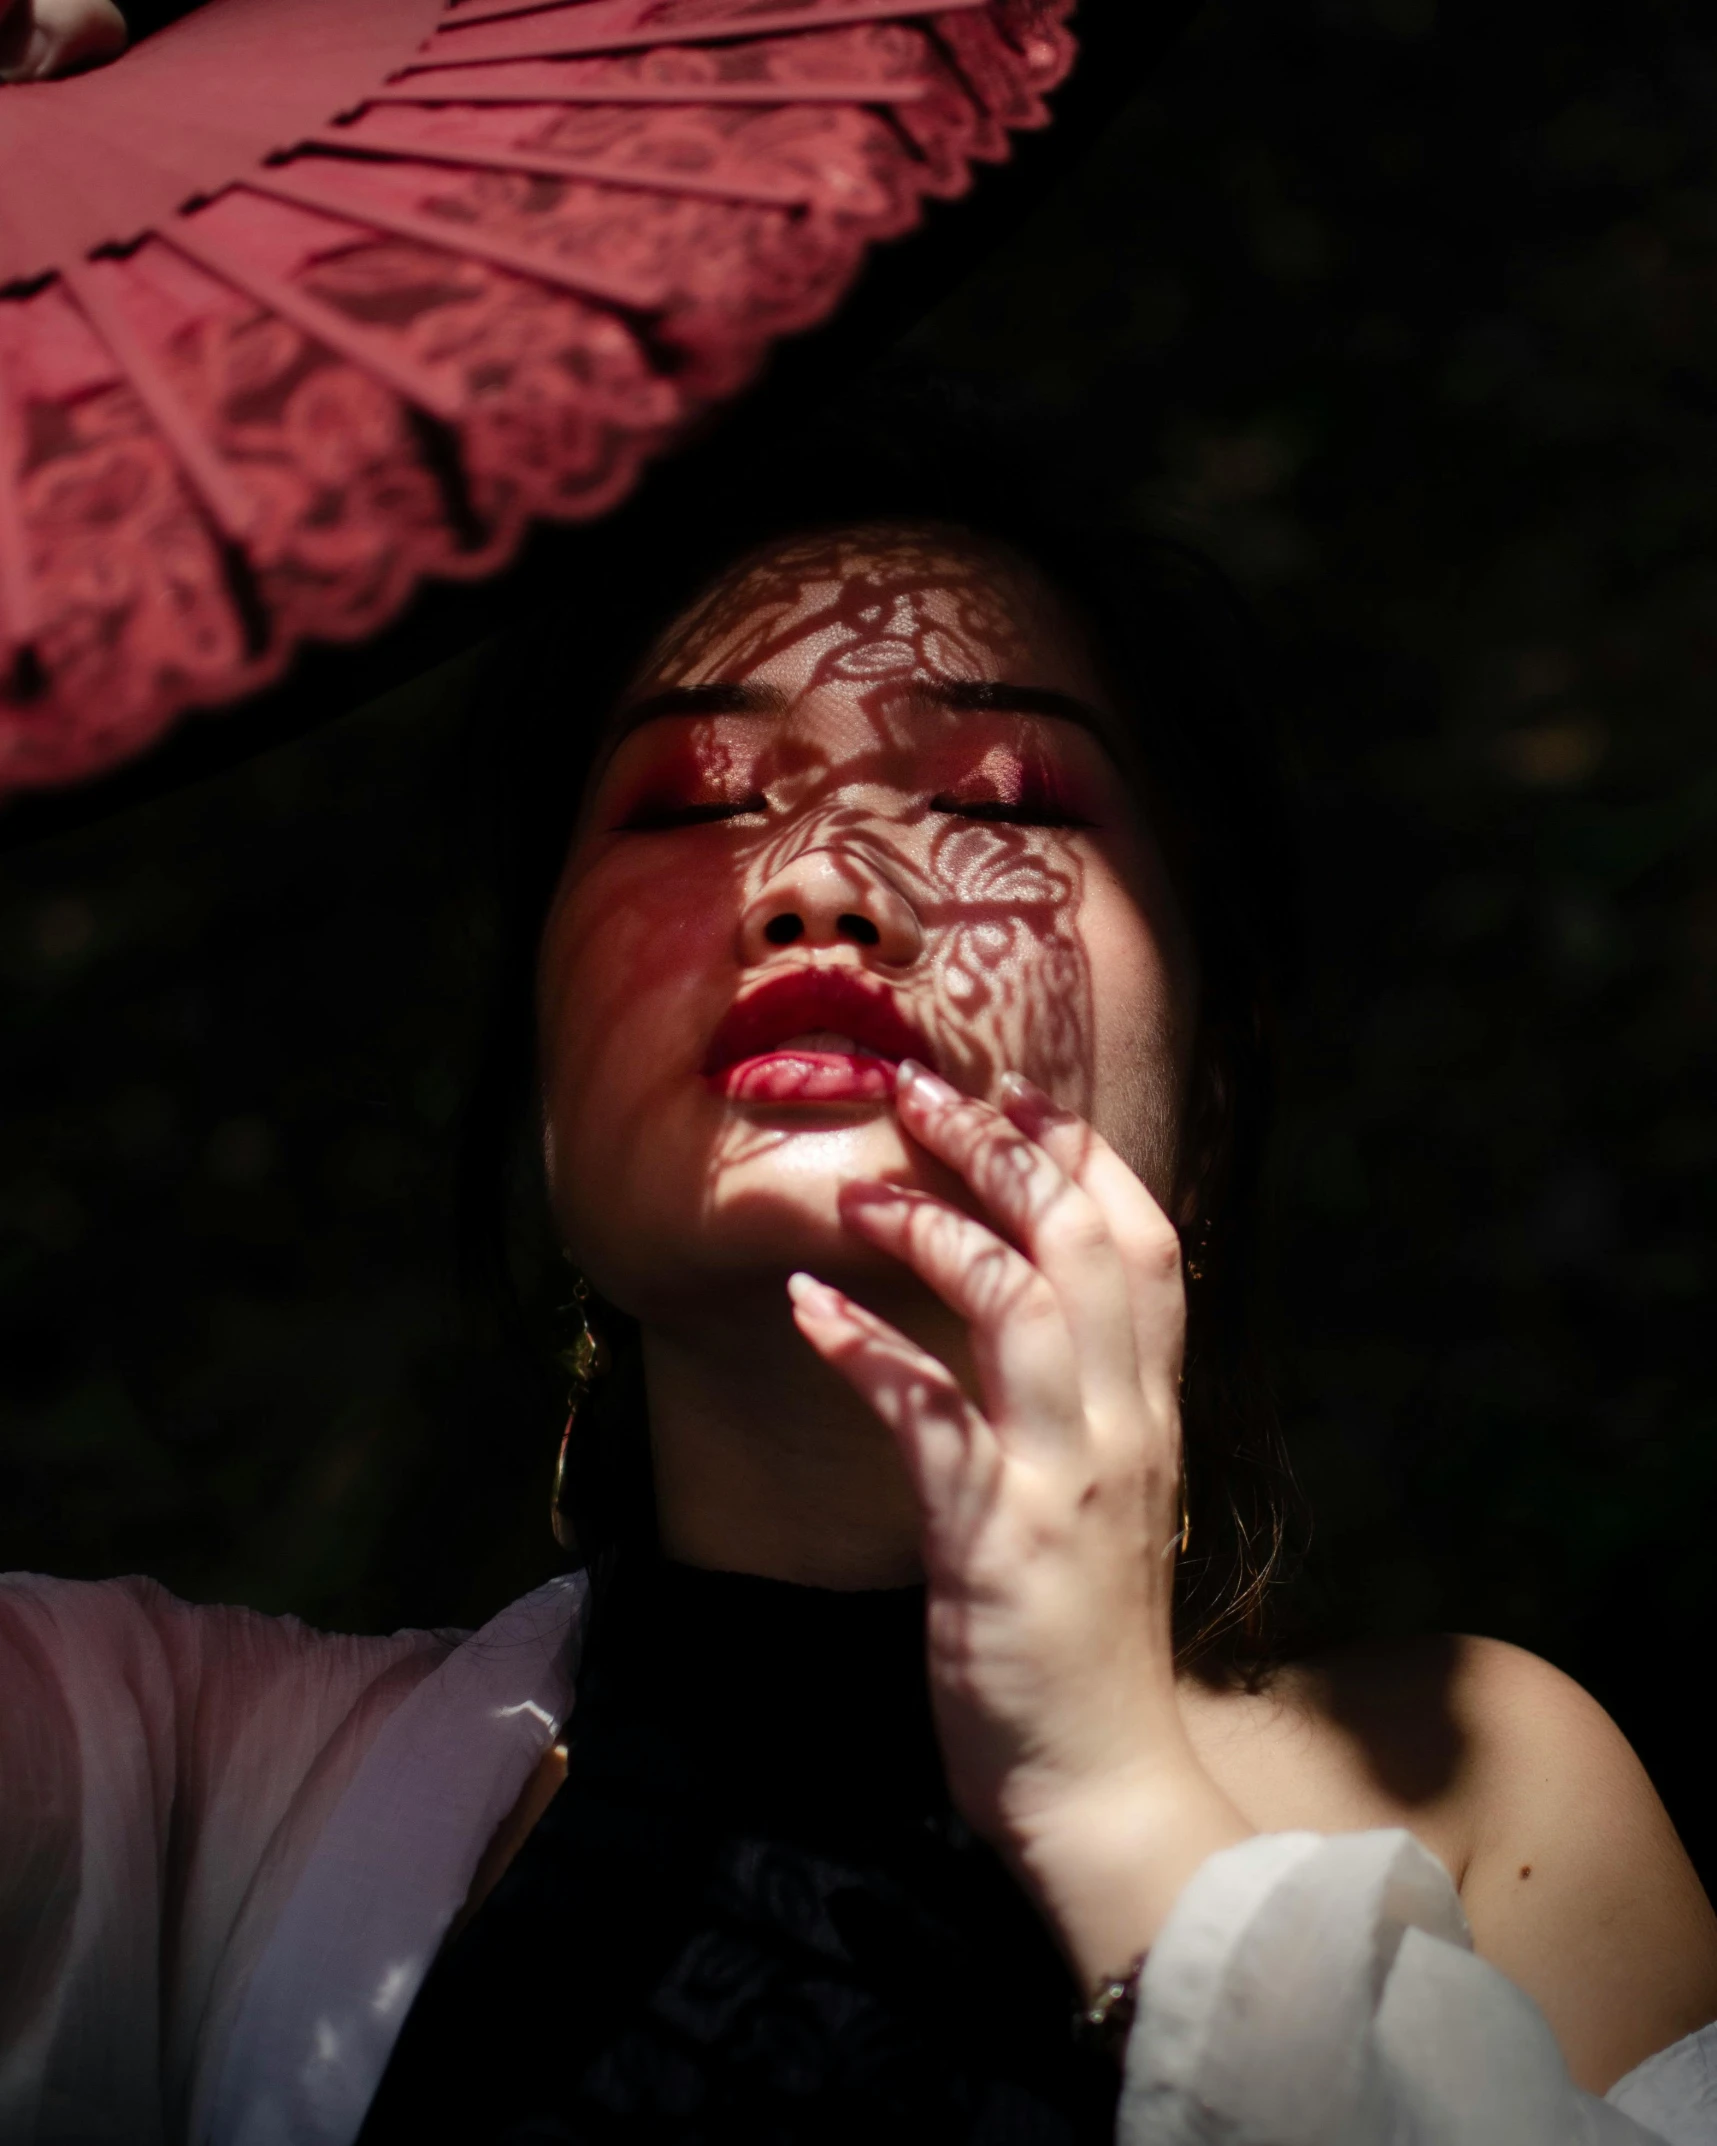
1185	658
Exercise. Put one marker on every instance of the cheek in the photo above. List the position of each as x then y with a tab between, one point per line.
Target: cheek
632	960
623	937
1141	1031
1065	962
1012	983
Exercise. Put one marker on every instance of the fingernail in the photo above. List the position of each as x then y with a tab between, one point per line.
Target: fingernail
811	1295
930	1087
1021	1097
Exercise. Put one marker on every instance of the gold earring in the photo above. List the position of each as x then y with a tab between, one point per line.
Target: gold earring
1176	1544
584	1360
1198	1259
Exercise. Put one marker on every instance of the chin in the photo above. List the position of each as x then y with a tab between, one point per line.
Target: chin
772	1206
775	1195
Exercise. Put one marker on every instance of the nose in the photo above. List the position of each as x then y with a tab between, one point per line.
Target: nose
831	897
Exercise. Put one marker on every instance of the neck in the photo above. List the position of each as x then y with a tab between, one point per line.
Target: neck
766	1462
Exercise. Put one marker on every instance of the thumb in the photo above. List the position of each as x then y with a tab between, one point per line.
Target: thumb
43	39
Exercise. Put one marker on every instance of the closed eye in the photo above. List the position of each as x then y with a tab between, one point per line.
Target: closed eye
1012	812
654	815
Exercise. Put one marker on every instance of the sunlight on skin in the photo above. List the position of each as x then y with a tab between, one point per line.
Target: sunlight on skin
859	790
867	772
863	784
876	762
1005	942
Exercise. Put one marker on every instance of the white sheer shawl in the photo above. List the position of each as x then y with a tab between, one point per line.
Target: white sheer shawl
227	1880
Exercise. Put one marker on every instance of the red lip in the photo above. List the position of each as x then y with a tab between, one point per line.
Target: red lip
748	1059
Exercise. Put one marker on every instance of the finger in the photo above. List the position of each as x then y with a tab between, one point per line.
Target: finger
1146	1240
948	1448
42	39
1021	1347
1057	1224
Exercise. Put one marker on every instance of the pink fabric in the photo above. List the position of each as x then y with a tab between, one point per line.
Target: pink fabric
579	225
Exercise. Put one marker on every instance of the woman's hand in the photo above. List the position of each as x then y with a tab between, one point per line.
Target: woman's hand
1051	1510
40	39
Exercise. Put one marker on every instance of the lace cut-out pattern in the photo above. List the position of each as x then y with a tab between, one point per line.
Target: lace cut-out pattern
481	287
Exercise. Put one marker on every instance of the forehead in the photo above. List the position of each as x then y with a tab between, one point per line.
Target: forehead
875	606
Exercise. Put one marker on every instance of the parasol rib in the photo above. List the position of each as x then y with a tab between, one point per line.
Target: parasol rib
233	508
398	141
317	319
760	22
448	237
532	82
531	38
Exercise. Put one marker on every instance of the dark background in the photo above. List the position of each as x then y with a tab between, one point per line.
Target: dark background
1407	311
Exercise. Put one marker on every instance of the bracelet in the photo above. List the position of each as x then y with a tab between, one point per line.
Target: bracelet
1105	2023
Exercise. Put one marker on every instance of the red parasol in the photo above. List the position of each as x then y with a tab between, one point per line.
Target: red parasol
304	300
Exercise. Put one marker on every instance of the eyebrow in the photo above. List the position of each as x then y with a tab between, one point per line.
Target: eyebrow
719	697
991	696
972	696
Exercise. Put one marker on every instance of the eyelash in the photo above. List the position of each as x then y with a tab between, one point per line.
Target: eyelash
656	819
659	819
1023	813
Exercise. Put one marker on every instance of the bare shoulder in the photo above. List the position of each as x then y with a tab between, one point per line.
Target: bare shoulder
1568	1866
1362	1736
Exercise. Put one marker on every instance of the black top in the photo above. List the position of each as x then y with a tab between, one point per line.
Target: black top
751	1912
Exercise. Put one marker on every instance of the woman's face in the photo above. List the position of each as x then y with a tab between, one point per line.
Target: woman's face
857	808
